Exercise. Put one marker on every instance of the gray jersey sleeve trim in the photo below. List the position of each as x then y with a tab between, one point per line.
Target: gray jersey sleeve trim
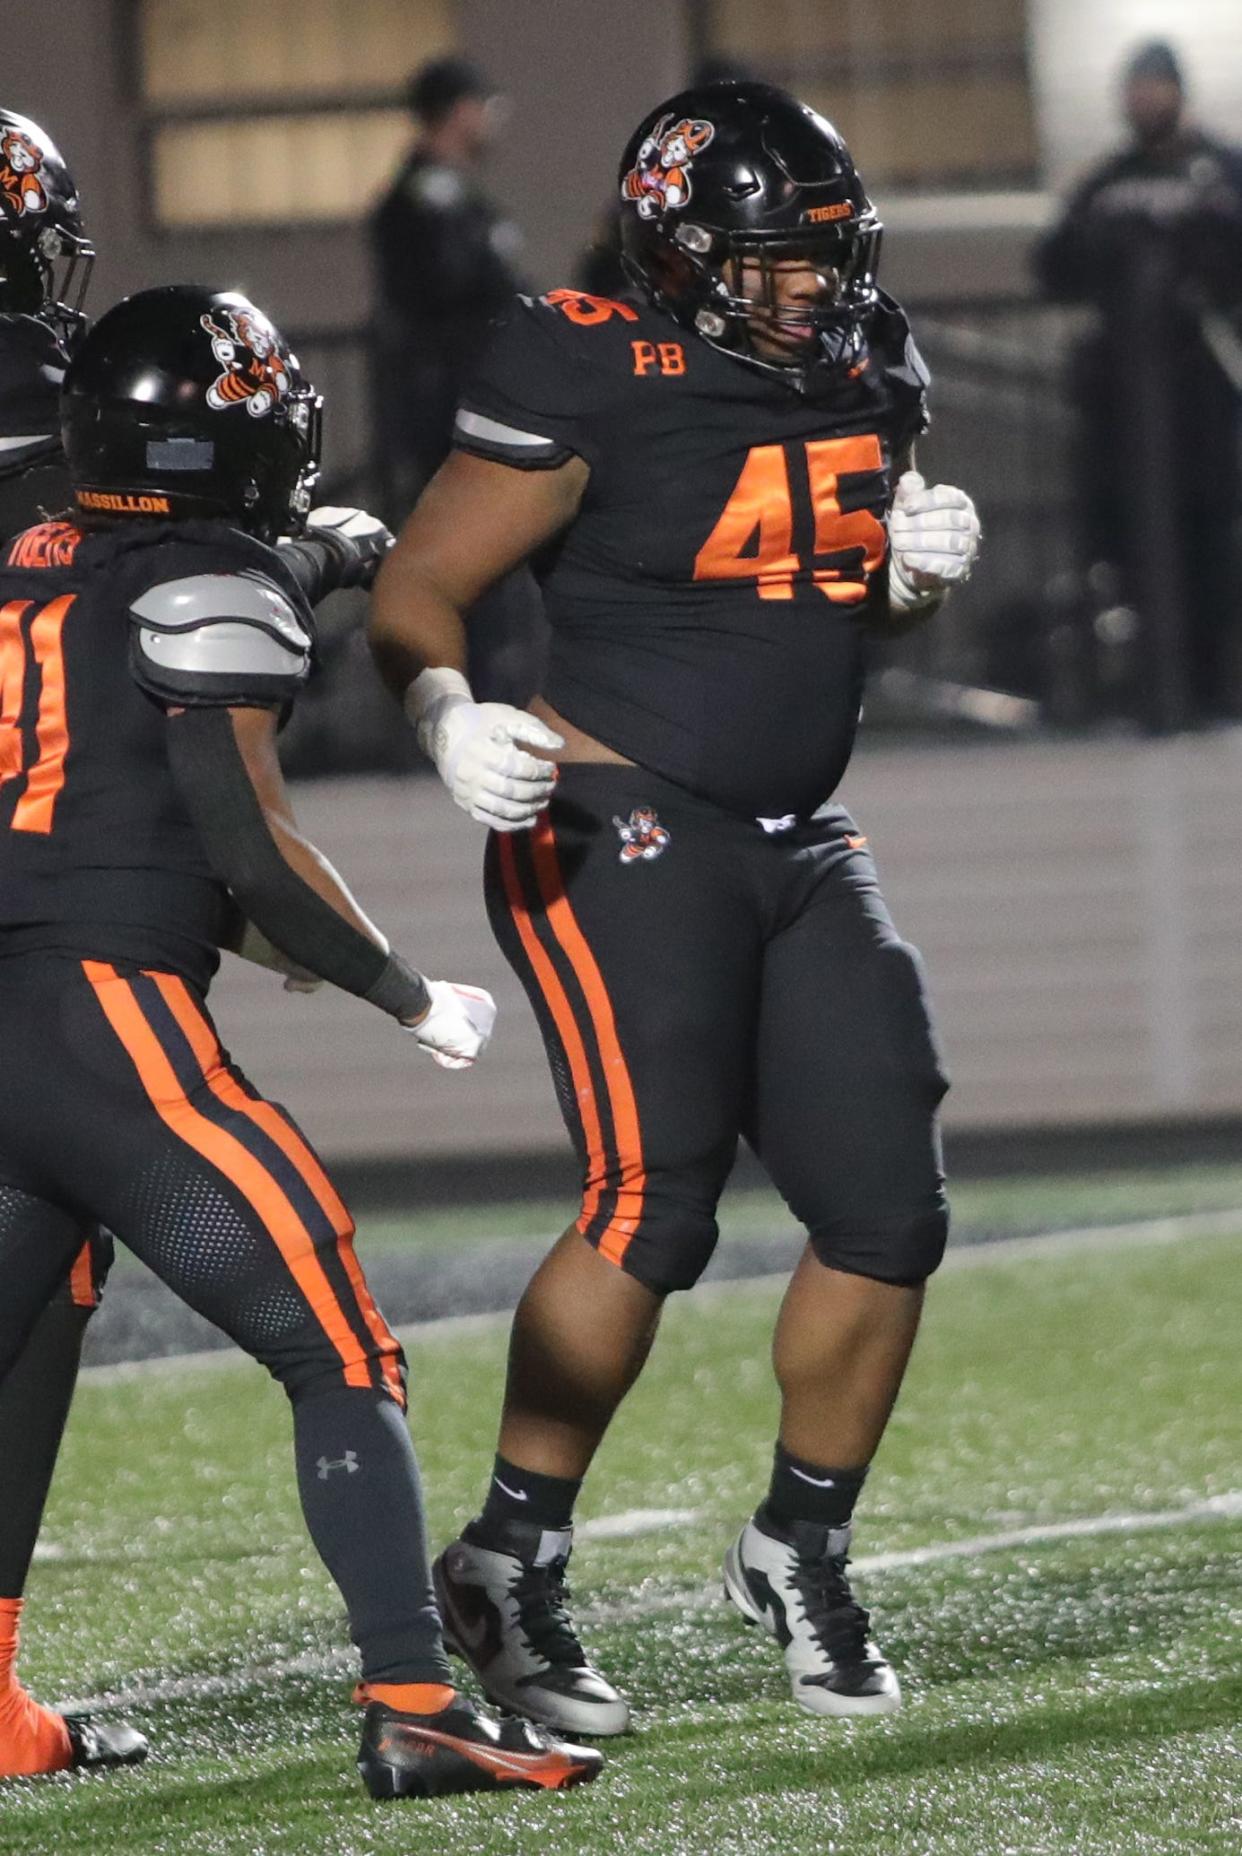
492	432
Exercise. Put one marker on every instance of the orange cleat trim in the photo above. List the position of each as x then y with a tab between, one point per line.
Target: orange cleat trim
552	1771
408	1697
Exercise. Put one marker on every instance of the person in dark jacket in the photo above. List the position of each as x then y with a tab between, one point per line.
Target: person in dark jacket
1151	240
444	258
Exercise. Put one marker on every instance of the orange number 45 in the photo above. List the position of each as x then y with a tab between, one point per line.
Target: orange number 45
36	808
753	539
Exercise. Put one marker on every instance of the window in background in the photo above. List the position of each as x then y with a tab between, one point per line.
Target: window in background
927	96
282	116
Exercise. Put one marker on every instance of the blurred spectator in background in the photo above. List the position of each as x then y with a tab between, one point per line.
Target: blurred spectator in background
445	259
1152	241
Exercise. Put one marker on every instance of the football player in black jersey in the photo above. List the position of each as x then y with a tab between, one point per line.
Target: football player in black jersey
45	265
149	649
716	481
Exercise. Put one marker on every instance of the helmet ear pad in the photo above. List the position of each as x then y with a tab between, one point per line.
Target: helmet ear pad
23	289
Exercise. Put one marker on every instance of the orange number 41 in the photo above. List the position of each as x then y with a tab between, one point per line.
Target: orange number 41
753	539
36	808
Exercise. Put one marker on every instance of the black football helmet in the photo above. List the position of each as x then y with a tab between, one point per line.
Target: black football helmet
183	402
45	256
734	175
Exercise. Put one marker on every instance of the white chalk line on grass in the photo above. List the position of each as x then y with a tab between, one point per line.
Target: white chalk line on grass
1137	1235
319	1663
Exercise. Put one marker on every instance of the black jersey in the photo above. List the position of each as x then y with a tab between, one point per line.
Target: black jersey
33	482
99	634
708	601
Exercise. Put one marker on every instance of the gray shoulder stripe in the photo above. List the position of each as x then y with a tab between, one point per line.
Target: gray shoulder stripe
201	599
229	649
477	425
15	444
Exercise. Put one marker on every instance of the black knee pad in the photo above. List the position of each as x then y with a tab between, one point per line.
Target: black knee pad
670	1248
903	1250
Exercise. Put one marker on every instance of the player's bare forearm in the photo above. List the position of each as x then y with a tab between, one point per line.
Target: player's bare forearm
414	625
474	523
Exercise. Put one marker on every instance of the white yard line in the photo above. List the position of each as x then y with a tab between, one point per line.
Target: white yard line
1141	1234
635	1521
342	1663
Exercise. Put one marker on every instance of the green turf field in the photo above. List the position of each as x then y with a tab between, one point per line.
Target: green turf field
1072	1695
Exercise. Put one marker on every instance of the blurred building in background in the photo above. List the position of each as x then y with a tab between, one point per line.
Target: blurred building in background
251	144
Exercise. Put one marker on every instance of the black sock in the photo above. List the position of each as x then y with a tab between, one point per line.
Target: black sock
802	1491
34	1403
524	1495
362	1499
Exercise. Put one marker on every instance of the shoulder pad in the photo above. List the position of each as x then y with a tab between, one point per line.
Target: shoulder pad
229	638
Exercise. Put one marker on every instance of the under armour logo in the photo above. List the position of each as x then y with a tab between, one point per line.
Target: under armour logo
348	1462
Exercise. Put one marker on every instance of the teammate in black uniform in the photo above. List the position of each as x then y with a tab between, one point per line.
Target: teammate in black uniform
707	474
45	265
149	649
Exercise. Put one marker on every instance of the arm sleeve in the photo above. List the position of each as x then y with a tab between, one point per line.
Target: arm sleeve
311	564
907	380
217	792
530	402
220	639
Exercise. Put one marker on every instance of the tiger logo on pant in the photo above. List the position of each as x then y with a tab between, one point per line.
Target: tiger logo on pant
254	372
660	177
642	835
20	160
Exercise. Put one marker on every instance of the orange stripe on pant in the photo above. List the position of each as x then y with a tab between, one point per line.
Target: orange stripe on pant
567	1028
563	922
210	1059
225	1152
82	1292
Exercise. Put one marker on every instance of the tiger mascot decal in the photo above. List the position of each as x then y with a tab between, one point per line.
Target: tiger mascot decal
253	369
20	161
642	835
660	177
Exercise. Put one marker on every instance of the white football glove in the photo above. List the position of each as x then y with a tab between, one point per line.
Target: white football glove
477	748
934	539
356	541
457	1027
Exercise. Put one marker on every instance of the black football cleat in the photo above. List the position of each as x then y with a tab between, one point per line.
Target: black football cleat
461	1749
99	1744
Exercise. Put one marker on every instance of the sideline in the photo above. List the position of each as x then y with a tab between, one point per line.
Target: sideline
1087	1238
